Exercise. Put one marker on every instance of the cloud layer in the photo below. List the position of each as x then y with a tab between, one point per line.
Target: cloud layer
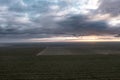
26	19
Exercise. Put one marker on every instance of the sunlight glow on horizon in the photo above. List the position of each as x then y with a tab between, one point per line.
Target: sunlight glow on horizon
91	38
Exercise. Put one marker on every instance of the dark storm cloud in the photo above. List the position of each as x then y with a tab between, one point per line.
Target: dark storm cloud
78	25
74	25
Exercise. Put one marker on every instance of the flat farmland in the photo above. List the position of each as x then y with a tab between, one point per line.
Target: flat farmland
24	63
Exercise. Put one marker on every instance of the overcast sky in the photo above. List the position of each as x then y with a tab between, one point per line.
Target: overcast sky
22	20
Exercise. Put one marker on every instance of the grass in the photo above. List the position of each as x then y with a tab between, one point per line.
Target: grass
23	64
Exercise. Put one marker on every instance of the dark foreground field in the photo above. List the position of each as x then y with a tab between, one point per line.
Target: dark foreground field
18	63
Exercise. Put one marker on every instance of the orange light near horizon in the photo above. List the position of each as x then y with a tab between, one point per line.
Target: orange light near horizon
98	39
91	38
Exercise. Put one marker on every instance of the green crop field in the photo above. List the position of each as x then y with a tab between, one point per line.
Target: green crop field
23	64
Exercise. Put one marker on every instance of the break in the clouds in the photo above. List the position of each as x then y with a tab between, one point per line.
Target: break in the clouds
29	19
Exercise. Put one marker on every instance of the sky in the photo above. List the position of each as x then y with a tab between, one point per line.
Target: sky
59	20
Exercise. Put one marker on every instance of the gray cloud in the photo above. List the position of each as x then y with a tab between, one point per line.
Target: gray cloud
74	25
25	19
110	7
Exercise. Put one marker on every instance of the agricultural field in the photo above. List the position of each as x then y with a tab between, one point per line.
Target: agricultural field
24	63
